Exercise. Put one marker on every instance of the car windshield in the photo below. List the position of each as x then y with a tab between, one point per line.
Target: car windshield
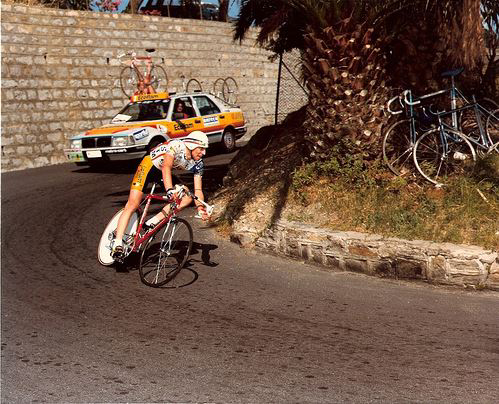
143	111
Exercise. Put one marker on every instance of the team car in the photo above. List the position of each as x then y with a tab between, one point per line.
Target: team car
151	119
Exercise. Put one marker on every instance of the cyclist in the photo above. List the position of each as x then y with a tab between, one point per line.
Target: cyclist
186	153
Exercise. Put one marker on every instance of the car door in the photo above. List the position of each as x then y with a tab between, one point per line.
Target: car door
212	119
192	121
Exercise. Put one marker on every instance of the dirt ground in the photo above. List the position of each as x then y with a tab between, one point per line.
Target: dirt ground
255	189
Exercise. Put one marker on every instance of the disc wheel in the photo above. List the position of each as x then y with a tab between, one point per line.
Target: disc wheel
159	79
398	147
129	81
437	160
166	253
106	241
193	86
230	90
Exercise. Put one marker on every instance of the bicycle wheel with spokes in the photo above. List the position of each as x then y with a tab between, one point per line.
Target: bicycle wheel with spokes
397	148
492	130
166	253
129	81
439	156
159	79
230	90
193	86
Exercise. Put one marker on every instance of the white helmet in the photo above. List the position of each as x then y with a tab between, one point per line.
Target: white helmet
196	139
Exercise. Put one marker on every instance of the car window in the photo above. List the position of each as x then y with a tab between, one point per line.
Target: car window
205	105
143	111
188	108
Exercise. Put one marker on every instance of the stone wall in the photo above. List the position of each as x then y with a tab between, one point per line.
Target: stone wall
439	263
60	74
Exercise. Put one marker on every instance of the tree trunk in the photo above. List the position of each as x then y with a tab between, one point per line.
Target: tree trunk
344	68
223	10
134	6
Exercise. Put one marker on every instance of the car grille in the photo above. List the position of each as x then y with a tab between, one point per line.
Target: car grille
93	142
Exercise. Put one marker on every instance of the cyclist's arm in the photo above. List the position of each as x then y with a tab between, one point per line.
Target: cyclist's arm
198	191
167	171
198	188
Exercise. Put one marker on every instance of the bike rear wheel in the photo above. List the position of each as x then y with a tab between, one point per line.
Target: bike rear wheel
129	81
398	147
492	130
437	161
166	253
159	79
230	90
218	87
105	247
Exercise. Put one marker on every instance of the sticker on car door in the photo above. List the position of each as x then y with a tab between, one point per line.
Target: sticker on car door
210	121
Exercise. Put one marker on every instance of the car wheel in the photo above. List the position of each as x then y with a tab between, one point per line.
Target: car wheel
229	141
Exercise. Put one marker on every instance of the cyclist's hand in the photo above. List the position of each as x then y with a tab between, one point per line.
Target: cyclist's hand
203	214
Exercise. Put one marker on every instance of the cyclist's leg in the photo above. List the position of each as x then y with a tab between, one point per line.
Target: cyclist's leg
139	181
134	199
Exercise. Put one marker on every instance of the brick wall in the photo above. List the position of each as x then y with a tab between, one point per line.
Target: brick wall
60	74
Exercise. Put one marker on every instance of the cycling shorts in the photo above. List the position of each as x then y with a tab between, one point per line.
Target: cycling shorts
146	172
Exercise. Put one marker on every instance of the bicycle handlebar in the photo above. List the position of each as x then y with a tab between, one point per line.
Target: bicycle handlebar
397	97
128	53
404	94
180	190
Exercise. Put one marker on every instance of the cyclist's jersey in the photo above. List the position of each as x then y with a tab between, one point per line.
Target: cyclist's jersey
145	172
176	148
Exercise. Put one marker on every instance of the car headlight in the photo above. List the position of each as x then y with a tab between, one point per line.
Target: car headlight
122	141
75	143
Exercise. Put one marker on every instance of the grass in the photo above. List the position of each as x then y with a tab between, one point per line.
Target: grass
348	197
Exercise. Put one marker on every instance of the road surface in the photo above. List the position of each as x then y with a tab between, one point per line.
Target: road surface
246	327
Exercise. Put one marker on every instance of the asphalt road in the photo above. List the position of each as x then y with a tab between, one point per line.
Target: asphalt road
245	328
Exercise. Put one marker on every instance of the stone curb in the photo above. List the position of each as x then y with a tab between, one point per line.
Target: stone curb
437	263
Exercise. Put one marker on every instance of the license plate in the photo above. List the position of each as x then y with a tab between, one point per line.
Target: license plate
94	154
75	156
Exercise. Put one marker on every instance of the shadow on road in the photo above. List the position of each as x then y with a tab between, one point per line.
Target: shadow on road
188	275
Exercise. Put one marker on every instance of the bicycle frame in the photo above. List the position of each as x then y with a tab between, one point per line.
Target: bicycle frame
482	141
140	239
410	102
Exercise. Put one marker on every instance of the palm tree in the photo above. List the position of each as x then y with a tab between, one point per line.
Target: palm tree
354	52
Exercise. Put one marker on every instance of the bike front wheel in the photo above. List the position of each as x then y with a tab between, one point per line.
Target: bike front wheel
397	148
105	247
193	86
440	155
166	253
129	81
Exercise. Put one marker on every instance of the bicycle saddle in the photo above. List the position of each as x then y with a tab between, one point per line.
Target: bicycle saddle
150	50
453	73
